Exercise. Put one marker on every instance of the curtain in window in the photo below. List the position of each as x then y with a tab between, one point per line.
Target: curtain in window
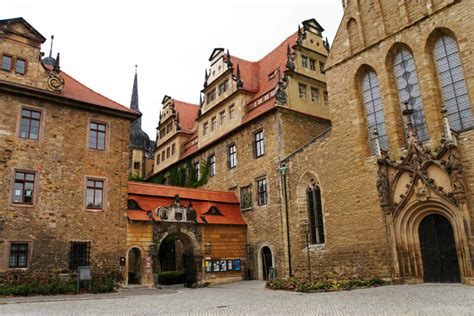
374	110
451	78
409	91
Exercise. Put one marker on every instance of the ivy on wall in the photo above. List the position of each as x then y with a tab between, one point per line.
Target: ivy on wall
184	175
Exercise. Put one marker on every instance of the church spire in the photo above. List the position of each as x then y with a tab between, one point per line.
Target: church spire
134	100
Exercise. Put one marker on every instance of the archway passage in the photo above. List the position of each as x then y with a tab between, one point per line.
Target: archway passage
134	266
176	254
438	248
267	262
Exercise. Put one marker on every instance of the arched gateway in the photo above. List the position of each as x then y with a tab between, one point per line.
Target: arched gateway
424	200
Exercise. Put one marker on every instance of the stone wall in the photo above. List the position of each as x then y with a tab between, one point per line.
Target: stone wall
62	161
140	235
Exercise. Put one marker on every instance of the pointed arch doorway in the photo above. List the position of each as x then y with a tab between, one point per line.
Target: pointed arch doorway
438	249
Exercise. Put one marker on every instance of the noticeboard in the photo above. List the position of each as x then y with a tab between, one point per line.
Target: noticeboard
84	273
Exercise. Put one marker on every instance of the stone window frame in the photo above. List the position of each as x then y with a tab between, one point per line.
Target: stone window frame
256	141
5	261
257	188
104	193
42	122
212	164
14	69
222	117
107	134
231	111
312	64
205	128
88	251
317	231
232	162
302	90
213	123
304	61
11	62
315	97
35	188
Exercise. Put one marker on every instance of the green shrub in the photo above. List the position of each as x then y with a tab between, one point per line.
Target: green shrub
171	277
103	285
38	287
328	282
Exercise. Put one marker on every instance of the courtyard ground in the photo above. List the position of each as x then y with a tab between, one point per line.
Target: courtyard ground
251	297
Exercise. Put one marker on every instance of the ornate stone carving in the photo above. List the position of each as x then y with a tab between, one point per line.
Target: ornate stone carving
411	177
55	81
290	59
281	95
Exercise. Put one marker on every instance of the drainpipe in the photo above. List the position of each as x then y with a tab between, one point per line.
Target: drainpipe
282	170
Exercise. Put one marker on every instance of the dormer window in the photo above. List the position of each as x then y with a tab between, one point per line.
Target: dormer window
7	62
20	67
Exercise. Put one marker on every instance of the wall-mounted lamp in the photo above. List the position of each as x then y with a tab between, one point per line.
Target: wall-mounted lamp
208	248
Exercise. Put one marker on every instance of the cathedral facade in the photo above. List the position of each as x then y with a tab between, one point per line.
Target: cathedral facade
388	191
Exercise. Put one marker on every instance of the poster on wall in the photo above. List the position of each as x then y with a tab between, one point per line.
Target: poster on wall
237	264
223	265
208	266
216	266
230	265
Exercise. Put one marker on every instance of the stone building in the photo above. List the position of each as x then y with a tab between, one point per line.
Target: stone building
63	165
401	84
251	115
205	228
141	148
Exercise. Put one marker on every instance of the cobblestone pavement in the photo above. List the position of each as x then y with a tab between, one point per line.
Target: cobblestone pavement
250	297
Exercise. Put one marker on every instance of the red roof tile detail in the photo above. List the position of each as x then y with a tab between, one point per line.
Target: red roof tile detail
188	113
75	90
151	196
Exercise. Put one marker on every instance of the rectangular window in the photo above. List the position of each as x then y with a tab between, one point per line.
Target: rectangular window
213	123
136	165
167	153
30	124
315	94
326	98
259	145
97	136
262	192
302	90
23	187
173	149
212	165
18	255
94	194
197	170
231	111
246	197
6	63
304	61
79	254
205	128
158	159
321	67
222	116
20	66
211	96
168	128
163	157
223	87
312	64
232	156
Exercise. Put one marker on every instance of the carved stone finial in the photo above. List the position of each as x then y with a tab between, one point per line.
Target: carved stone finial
56	66
51	48
228	60
239	81
206	76
408	112
281	95
455	171
300	38
383	188
290	59
326	44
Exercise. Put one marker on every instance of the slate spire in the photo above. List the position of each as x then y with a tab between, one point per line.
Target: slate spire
134	101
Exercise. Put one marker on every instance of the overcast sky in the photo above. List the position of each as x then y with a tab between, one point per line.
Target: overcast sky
170	41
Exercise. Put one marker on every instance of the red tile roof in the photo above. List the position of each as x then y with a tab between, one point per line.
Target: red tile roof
188	113
151	196
75	90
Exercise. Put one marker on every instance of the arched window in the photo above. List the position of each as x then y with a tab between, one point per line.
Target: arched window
409	90
452	83
374	110
315	214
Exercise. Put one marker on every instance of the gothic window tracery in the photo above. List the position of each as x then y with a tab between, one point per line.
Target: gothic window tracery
374	110
453	86
315	213
409	90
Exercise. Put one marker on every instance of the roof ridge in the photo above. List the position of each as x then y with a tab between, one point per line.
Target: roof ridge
180	188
